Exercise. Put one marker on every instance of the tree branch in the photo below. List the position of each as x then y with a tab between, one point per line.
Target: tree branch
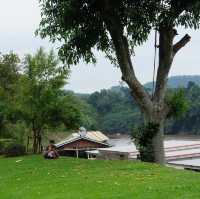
128	74
120	43
180	44
165	60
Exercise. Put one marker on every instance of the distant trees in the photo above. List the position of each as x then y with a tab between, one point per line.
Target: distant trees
124	116
114	110
189	123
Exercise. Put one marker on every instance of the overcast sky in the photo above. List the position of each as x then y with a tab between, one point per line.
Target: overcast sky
19	19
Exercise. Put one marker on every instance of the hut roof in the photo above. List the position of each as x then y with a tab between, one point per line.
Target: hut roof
93	136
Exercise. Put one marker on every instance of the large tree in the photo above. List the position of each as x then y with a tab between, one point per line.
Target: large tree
116	27
40	95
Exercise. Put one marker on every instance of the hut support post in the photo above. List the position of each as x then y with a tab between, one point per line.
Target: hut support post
77	152
27	145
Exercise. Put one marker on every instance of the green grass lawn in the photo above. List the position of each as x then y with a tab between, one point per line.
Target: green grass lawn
67	178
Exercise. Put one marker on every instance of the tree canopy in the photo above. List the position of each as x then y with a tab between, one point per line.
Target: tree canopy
85	25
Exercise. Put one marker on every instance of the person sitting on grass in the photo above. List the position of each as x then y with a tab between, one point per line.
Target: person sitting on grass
51	152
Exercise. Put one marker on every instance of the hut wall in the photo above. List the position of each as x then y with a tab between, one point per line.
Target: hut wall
81	144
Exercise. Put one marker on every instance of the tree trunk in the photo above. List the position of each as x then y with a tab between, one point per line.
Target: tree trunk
158	144
159	113
39	143
150	140
34	141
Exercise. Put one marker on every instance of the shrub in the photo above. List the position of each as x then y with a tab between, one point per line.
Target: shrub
3	144
1	148
14	149
143	136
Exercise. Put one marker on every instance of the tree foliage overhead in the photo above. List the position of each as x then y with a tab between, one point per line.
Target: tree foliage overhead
85	25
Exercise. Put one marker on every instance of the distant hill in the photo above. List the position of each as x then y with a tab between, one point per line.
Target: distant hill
179	81
173	82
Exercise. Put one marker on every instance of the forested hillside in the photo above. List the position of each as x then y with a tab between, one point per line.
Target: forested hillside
113	111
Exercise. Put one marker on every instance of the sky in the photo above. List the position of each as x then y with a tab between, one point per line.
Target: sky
19	20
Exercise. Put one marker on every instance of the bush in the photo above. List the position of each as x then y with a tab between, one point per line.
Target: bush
1	148
14	149
143	136
3	144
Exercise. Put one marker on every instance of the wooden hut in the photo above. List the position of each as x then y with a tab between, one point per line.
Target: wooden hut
77	144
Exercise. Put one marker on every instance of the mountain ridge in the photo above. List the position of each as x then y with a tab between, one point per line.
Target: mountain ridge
178	81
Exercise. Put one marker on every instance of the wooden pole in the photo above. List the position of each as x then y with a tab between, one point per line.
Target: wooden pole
77	152
88	155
